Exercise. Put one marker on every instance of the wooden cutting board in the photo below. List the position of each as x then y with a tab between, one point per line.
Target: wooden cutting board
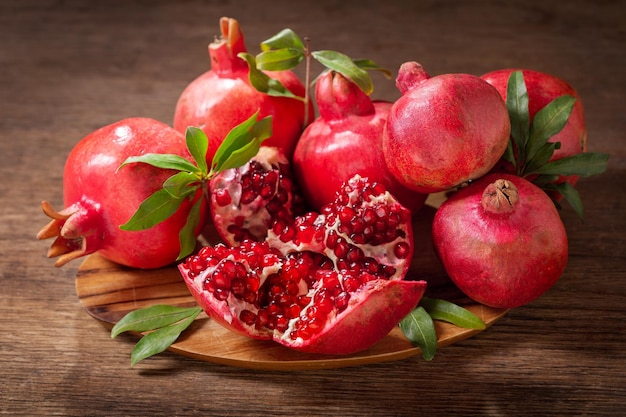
109	291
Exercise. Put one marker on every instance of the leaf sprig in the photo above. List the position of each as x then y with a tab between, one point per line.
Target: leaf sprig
286	50
163	323
191	180
419	325
529	149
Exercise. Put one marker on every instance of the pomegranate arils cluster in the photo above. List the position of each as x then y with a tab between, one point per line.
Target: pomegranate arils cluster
314	275
245	201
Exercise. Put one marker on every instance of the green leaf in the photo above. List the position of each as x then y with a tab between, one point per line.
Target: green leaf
509	154
151	318
187	236
286	38
198	145
517	105
584	164
153	210
344	65
242	143
451	313
548	121
570	194
541	156
181	185
165	161
419	328
264	83
159	340
279	59
369	65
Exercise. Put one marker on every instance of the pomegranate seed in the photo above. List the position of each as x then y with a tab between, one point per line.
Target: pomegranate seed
401	250
351	283
222	197
221	294
281	323
341	301
248	317
292	311
262	318
238	287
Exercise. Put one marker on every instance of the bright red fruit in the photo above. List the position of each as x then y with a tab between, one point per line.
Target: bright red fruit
222	97
99	198
346	139
445	130
329	282
501	240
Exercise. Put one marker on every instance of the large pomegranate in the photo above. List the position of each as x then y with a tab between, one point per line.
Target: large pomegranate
247	200
501	240
99	198
445	130
328	282
543	88
222	97
346	139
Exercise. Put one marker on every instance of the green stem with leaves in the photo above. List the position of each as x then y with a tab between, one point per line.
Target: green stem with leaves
240	145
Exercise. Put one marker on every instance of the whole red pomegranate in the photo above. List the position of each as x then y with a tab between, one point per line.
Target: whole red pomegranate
445	130
346	139
99	198
247	200
223	97
329	282
542	88
501	240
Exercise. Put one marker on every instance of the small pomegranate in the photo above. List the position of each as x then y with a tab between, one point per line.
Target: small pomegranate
346	139
501	240
245	201
444	131
329	282
542	88
99	198
223	97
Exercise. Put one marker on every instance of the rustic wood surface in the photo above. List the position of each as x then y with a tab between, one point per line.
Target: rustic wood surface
69	67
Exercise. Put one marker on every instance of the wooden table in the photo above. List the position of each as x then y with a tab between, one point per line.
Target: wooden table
67	68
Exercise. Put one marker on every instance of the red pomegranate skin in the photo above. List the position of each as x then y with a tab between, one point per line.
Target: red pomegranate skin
99	198
222	98
445	130
542	89
502	256
346	139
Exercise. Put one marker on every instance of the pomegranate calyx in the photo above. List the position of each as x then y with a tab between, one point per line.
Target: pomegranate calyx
67	227
500	196
225	50
410	75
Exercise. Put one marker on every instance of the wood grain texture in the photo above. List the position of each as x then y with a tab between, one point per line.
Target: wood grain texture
69	67
109	291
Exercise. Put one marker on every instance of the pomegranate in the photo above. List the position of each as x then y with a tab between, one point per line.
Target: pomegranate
346	139
245	201
443	131
223	97
99	198
543	88
501	240
328	282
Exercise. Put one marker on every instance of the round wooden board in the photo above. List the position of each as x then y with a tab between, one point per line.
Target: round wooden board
109	291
